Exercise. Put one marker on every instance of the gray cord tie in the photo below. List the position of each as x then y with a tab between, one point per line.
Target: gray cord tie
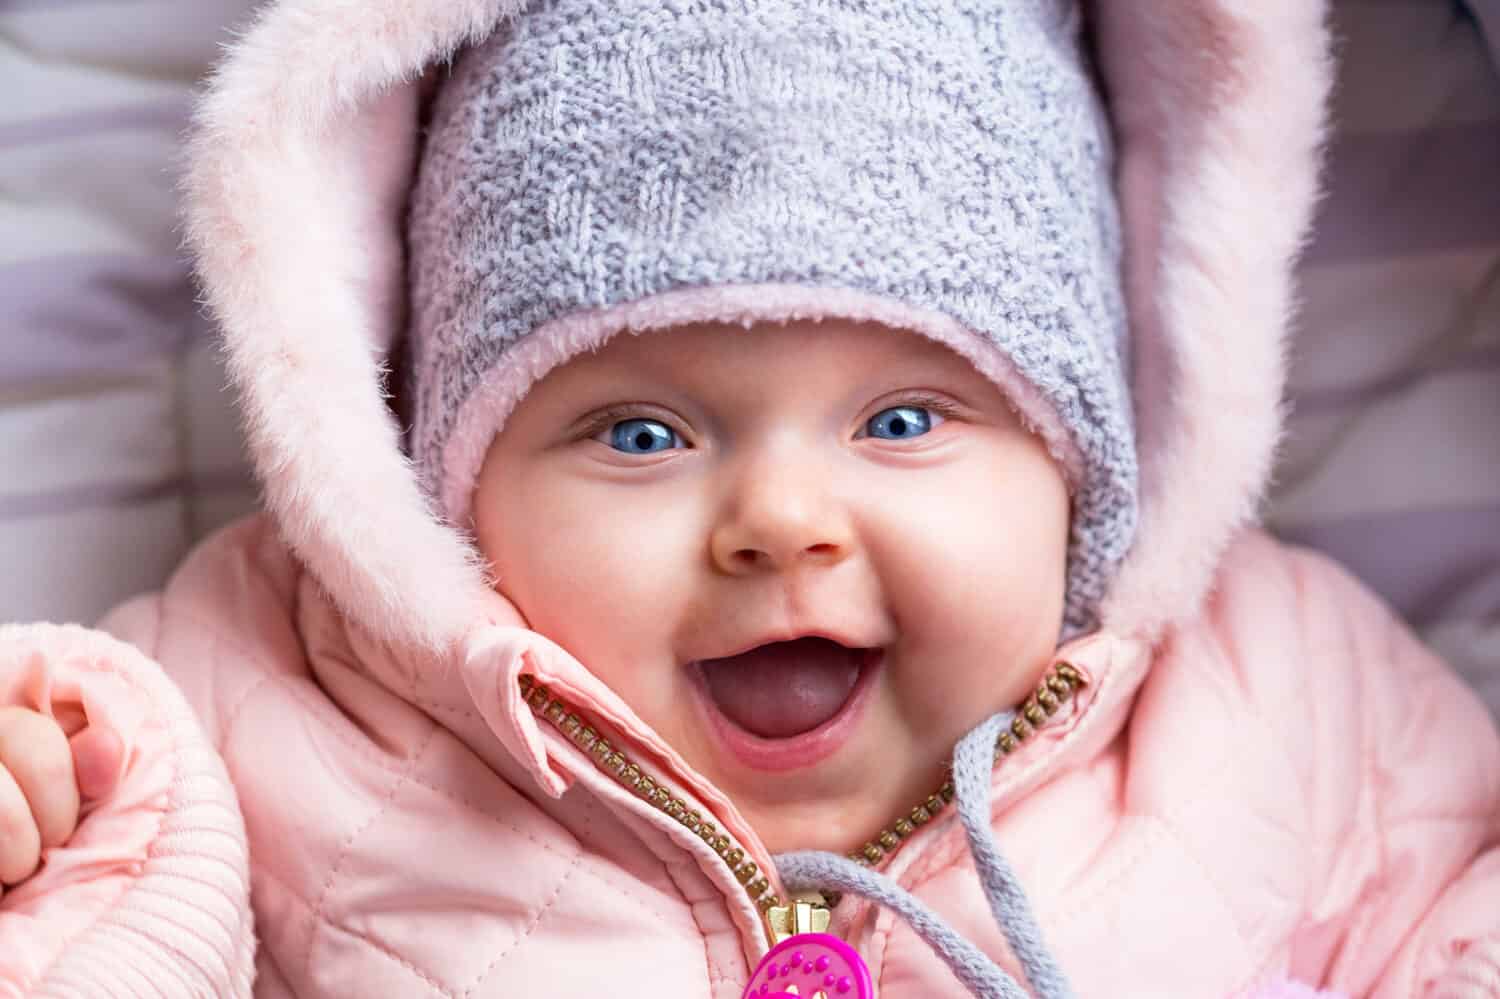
816	868
973	762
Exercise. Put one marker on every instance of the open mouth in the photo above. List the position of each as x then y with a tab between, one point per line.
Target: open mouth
786	704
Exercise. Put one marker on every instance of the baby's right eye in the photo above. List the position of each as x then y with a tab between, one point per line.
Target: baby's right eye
642	436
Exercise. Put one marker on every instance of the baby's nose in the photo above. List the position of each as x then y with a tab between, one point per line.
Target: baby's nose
781	527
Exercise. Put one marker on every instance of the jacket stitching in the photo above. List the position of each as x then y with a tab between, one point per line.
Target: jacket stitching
407	771
712	971
1218	889
215	631
447	793
1254	712
526	933
348	843
322	919
285	682
391	956
234	713
289	685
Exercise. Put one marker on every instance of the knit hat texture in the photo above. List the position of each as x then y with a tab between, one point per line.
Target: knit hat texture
949	155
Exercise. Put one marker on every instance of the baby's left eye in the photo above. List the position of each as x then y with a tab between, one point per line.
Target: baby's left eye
642	436
900	423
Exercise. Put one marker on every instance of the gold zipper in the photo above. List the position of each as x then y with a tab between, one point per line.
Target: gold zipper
627	772
1055	688
807	913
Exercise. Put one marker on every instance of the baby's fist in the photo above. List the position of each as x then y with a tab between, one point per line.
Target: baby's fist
47	767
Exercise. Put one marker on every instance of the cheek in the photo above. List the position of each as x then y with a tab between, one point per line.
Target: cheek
977	582
597	569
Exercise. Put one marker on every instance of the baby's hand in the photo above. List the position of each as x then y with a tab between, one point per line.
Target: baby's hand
47	768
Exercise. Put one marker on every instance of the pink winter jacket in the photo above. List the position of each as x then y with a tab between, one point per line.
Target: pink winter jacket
338	784
1297	789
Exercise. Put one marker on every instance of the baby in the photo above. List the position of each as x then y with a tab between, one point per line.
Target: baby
819	562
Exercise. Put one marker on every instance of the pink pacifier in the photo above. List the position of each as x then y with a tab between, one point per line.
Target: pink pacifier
811	966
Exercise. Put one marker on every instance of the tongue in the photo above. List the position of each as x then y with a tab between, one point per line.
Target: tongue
783	689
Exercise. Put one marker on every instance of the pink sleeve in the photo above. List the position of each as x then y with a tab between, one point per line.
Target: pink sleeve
150	896
1414	880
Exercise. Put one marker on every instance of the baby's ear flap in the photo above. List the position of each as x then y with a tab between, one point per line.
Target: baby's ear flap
299	167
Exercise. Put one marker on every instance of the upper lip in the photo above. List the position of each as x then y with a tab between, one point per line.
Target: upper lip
842	638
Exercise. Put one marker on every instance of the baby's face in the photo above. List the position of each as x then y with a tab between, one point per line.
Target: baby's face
678	498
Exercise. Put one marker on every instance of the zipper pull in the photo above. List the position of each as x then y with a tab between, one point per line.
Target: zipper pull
806	962
808	913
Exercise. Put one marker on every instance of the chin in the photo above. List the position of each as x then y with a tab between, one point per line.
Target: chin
840	805
828	826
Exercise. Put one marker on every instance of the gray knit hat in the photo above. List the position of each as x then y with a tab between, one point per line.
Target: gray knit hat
941	165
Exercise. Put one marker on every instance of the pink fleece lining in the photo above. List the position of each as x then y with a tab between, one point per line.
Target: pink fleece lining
522	366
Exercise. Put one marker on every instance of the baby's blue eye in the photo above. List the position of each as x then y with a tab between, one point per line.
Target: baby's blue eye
900	423
642	436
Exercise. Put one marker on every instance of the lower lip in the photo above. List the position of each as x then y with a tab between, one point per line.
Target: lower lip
798	751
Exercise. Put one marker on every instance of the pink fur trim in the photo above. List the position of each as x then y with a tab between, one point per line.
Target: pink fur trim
528	362
1220	110
299	165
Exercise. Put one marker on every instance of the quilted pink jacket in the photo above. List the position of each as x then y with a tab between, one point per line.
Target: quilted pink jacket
337	784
